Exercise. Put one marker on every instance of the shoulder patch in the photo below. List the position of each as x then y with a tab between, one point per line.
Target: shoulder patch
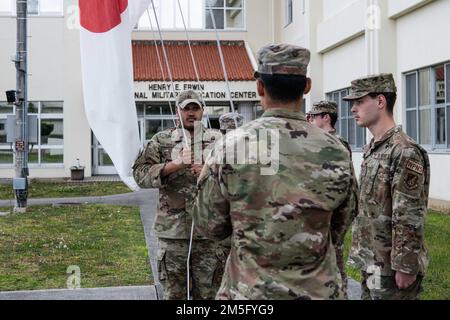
414	166
411	181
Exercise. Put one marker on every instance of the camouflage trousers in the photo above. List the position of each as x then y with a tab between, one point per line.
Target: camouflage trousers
388	289
207	265
341	265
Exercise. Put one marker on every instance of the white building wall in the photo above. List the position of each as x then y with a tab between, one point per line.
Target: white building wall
344	64
411	36
54	65
295	32
422	36
421	42
332	8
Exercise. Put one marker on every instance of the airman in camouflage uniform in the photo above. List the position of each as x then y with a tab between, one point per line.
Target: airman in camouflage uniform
228	121
324	115
284	226
165	165
322	109
388	234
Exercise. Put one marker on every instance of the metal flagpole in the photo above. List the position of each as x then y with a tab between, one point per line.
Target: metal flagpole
170	72
222	60
193	61
161	67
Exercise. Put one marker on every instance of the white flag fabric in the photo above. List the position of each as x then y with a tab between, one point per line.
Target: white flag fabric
107	74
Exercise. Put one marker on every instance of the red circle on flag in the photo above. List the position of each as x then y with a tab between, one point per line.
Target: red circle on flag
101	15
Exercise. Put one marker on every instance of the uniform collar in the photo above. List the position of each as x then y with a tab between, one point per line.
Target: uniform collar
284	113
333	131
373	145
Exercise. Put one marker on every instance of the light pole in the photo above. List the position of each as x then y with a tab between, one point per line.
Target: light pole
20	182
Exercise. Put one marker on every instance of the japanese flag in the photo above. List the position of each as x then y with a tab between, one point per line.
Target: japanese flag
107	73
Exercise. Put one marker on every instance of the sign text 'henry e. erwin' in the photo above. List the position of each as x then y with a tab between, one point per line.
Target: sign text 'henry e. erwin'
211	91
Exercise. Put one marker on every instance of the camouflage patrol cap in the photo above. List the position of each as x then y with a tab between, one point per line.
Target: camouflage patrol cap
330	107
283	59
187	97
380	83
227	121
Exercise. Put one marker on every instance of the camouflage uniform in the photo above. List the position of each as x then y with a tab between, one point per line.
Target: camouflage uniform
173	220
229	120
283	226
330	107
388	234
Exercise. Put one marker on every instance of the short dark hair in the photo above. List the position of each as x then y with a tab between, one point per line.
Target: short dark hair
390	99
333	118
284	88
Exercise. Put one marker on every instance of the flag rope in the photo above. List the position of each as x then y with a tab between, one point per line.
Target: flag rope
194	62
222	59
161	67
170	73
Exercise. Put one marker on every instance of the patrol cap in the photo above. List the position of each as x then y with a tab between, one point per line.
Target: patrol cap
324	106
187	97
380	83
283	59
227	121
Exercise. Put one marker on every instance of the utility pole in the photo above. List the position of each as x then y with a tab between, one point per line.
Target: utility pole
20	182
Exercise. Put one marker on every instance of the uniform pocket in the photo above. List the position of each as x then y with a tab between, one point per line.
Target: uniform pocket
371	177
221	258
161	263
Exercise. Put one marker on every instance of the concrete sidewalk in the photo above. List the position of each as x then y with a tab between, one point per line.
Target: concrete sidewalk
118	293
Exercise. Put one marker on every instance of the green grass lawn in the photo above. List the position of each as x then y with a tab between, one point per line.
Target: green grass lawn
64	190
437	238
106	242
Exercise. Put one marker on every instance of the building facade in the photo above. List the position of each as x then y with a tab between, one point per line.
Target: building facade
55	91
353	38
347	38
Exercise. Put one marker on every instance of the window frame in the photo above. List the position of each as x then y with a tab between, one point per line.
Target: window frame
433	107
12	12
4	146
346	118
187	18
288	12
39	146
447	102
225	8
39	13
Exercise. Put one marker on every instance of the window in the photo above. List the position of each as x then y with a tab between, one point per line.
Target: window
6	7
346	125
45	7
51	7
428	106
50	147
6	155
289	11
228	14
34	7
157	118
